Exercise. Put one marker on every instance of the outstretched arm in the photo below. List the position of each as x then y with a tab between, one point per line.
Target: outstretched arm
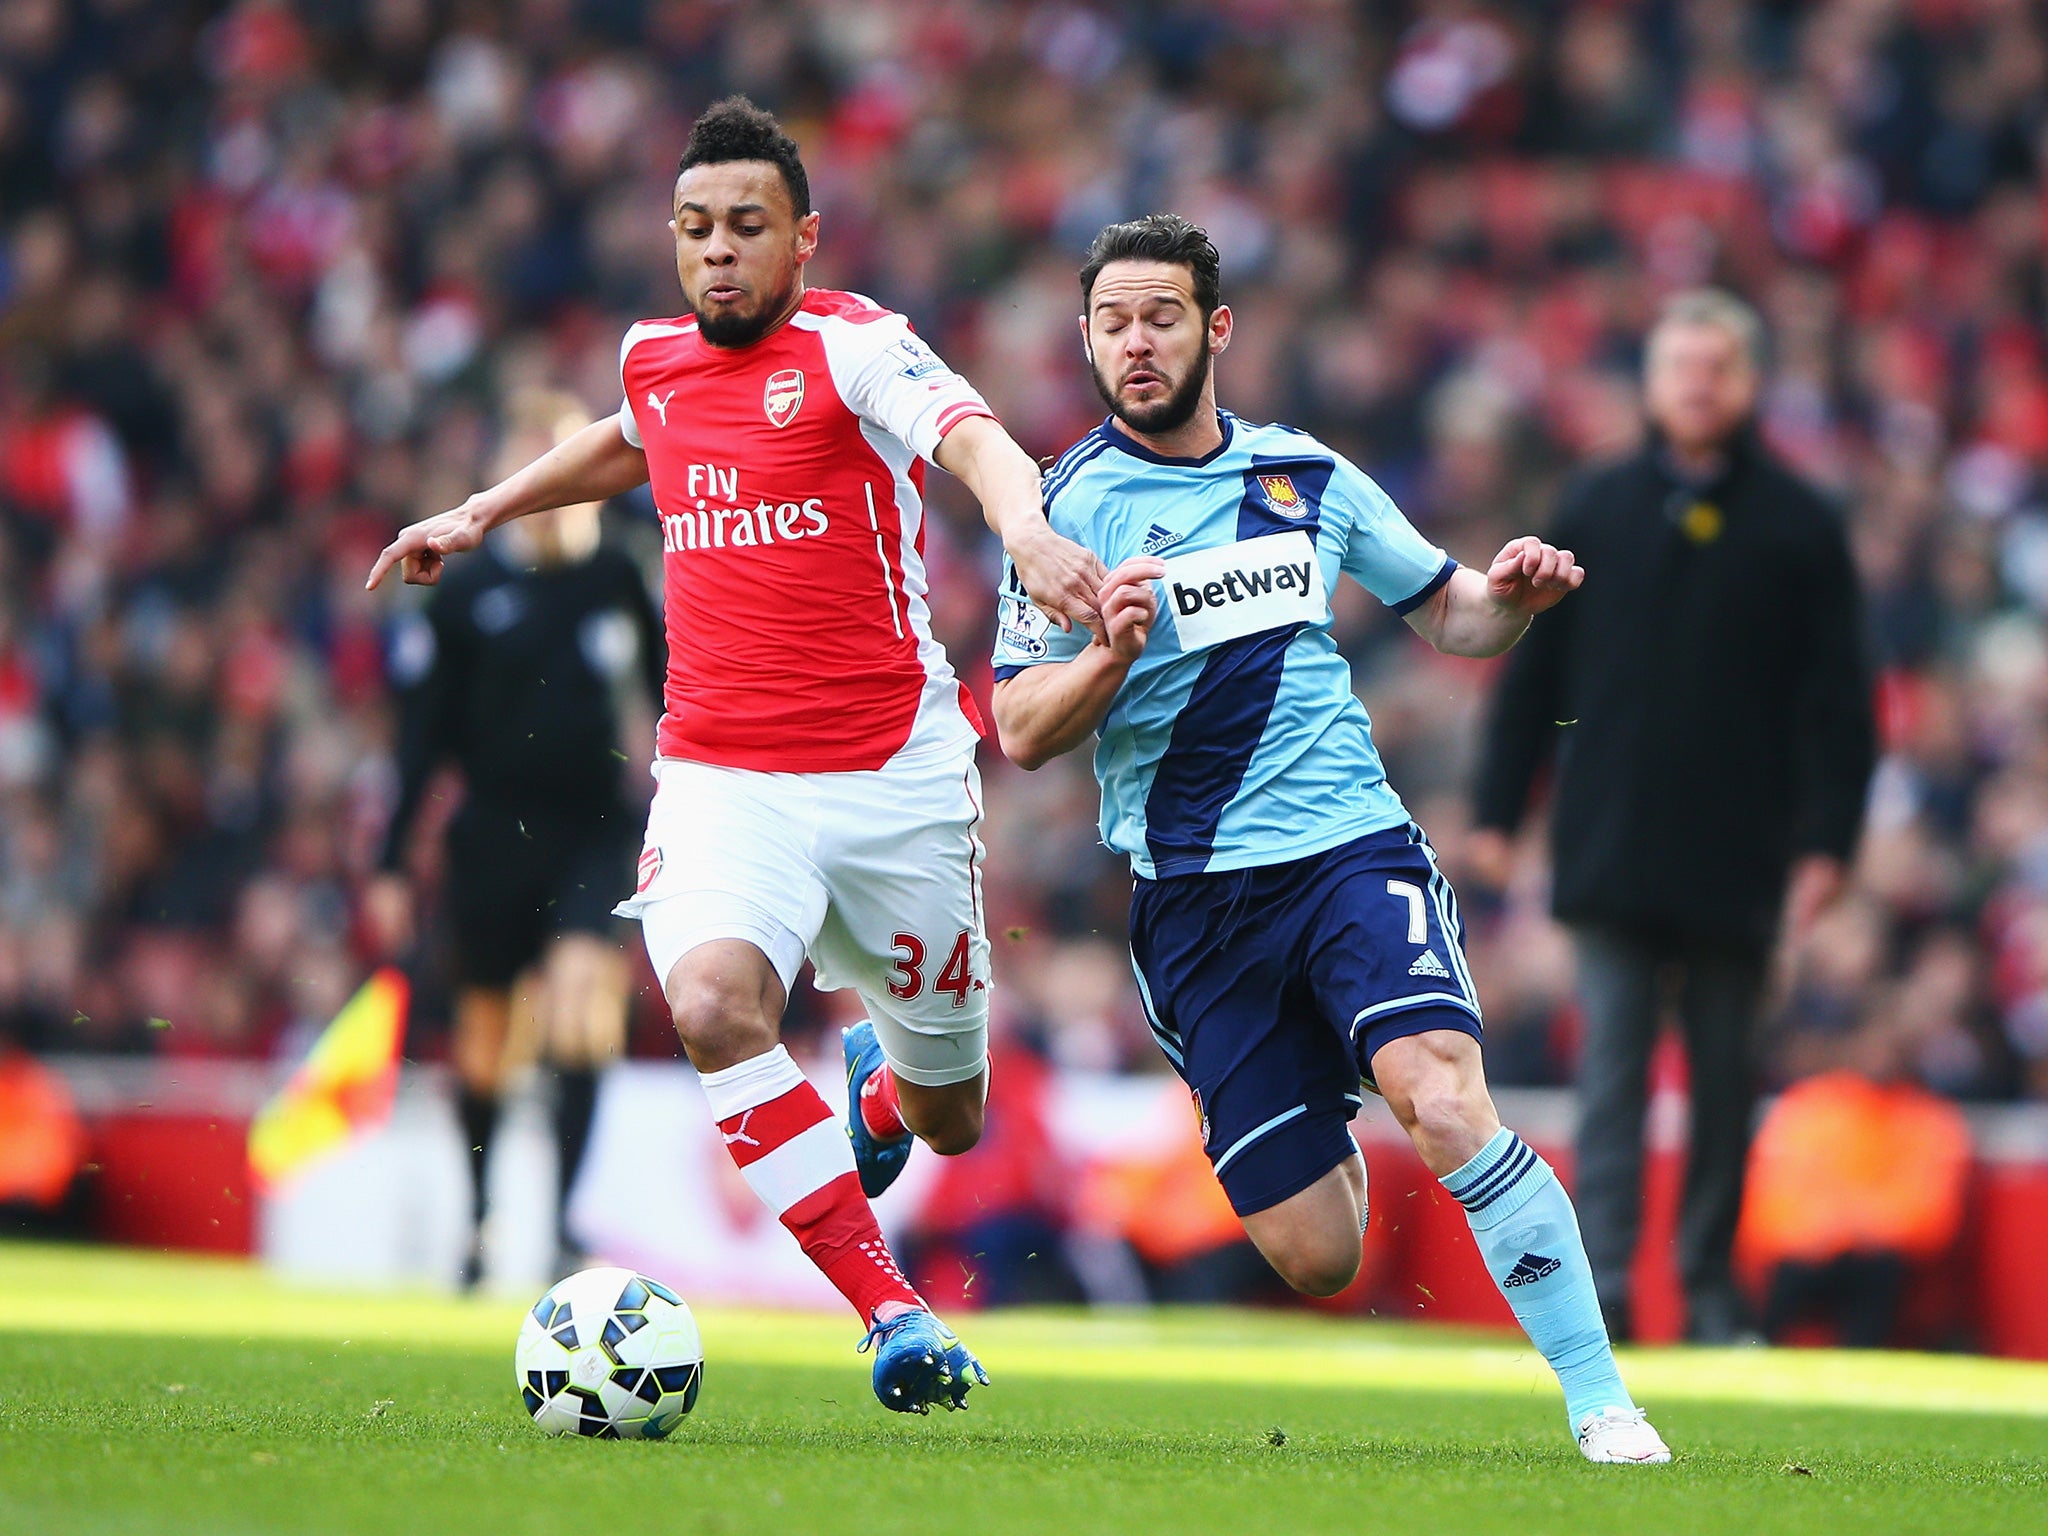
1061	576
1475	615
1052	708
595	464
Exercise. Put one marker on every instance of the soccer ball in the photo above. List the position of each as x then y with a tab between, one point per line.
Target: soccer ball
609	1353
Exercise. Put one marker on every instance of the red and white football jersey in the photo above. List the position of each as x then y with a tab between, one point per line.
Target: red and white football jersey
789	479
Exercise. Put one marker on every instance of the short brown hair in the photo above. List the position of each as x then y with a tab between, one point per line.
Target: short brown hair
1165	237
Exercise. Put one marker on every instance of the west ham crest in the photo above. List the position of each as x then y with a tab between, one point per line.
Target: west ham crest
784	396
1281	495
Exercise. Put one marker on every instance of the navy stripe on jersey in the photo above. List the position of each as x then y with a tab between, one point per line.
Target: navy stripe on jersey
1213	740
1219	729
1080	444
1109	434
1429	588
1061	475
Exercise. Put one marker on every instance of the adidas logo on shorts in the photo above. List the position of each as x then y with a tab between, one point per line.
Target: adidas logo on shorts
1530	1268
1427	964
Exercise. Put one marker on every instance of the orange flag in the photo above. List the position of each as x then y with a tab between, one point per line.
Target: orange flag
343	1087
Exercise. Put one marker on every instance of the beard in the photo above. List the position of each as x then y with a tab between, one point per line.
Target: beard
1158	417
727	329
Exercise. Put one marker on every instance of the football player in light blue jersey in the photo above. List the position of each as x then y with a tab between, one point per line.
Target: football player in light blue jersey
1291	933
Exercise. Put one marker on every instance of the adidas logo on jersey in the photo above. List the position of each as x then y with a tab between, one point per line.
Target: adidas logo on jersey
1530	1268
1158	538
1427	964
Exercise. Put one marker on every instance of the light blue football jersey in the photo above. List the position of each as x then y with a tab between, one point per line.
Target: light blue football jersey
1236	740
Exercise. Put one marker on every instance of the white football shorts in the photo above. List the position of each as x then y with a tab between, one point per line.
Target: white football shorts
875	875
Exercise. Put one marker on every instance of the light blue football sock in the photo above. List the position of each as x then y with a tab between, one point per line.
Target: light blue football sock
1528	1235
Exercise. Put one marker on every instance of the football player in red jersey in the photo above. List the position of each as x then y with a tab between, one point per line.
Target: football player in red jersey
817	793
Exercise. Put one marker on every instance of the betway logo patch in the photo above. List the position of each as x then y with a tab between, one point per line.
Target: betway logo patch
1244	589
1241	586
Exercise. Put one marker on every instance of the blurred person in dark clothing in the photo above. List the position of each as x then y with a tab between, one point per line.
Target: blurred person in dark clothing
1705	710
519	672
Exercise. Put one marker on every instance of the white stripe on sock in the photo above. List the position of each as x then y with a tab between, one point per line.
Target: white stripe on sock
751	1084
801	1166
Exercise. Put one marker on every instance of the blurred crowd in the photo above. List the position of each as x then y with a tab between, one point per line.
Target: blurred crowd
268	270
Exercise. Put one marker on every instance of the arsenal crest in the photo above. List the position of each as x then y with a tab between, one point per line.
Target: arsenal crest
783	396
650	866
1281	495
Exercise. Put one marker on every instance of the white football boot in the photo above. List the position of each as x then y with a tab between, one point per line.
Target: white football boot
1622	1435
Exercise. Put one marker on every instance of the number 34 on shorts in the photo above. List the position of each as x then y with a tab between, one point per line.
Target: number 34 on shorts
955	979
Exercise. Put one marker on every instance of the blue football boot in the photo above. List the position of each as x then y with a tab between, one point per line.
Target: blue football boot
879	1161
920	1361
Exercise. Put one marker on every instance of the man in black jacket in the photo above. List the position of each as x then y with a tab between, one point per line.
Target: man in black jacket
1704	704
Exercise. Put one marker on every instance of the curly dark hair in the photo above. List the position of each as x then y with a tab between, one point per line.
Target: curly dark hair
736	129
1163	237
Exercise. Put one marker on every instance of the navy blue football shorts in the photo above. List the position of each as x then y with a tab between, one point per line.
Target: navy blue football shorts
1270	989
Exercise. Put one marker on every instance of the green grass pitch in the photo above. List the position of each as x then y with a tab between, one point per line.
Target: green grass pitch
143	1394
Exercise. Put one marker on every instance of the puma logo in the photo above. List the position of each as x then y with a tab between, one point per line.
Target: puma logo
659	404
738	1138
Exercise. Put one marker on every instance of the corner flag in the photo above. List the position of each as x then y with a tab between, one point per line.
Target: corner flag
344	1086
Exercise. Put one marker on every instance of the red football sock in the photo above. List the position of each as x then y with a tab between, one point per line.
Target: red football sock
794	1155
880	1110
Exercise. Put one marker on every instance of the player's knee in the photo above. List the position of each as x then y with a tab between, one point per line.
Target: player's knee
948	1118
717	1023
716	1039
952	1140
1442	1111
726	1000
1320	1268
952	1129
